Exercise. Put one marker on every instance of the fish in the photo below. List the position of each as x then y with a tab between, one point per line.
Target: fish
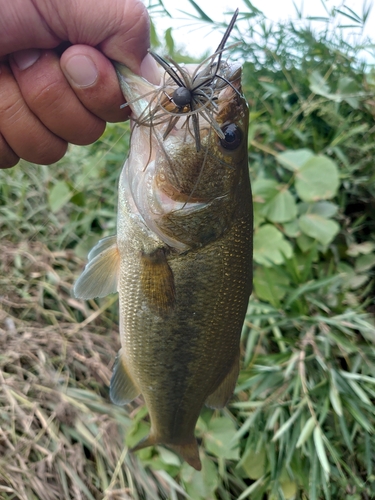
182	257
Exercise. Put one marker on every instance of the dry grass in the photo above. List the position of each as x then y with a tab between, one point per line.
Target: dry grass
60	437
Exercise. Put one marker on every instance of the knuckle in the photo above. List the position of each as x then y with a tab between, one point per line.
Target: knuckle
91	133
8	157
50	149
45	97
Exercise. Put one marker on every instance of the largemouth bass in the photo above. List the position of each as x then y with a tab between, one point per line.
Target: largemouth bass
182	257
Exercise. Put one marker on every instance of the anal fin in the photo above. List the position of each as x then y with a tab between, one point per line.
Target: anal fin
122	389
220	397
99	277
158	282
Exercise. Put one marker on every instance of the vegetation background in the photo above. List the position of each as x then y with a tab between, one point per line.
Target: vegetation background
301	424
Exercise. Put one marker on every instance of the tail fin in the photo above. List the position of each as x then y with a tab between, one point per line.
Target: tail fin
188	451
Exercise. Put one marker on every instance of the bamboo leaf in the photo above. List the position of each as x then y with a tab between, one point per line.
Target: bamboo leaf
345	433
334	395
286	425
246	493
201	13
314	478
358	415
360	392
368	453
306	431
319	446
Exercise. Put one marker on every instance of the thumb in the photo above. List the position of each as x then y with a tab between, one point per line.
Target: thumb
93	78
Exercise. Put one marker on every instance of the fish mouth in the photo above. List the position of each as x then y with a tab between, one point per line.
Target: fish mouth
135	89
188	103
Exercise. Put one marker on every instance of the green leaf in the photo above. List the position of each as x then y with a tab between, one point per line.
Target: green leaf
360	248
317	179
325	209
291	228
313	478
253	463
219	438
200	485
250	490
168	457
360	392
264	189
282	207
368	453
294	160
258	216
319	446
334	395
169	40
155	42
345	433
289	488
318	228
350	278
318	85
78	199
347	87
306	432
136	433
286	425
270	284
59	195
365	262
270	246
202	14
359	416
304	242
310	286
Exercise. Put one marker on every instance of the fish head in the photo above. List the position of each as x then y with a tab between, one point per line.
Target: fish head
189	142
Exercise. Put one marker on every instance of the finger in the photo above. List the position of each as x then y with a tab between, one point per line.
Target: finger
50	97
8	157
21	129
119	28
93	79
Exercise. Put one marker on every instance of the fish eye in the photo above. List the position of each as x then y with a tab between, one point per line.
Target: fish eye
232	137
181	97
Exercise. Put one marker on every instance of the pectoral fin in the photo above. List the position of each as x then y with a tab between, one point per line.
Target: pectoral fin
158	282
220	397
99	277
122	389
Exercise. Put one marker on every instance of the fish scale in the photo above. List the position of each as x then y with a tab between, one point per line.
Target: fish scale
182	257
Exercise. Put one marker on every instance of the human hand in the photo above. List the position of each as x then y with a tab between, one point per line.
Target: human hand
48	101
